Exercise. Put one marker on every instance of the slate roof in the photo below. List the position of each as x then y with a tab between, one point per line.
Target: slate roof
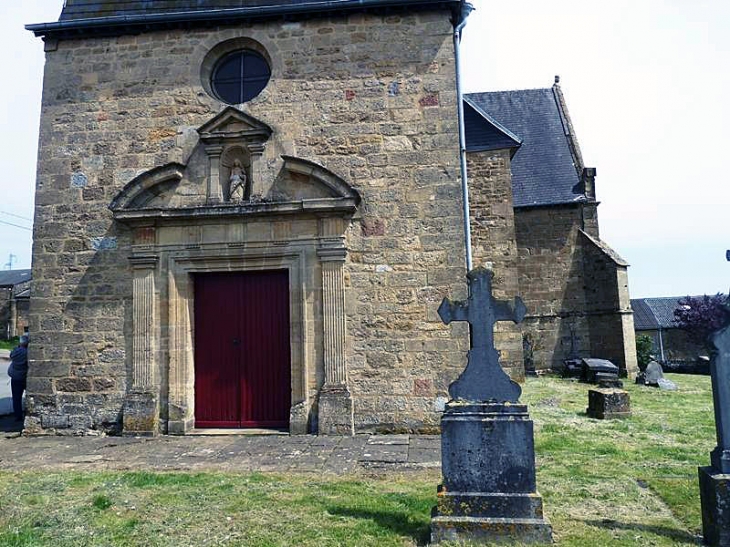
122	16
484	132
545	170
10	278
654	313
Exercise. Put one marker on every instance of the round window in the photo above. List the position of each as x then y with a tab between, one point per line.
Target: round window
240	76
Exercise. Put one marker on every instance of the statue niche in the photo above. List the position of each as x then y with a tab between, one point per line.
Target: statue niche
234	143
235	172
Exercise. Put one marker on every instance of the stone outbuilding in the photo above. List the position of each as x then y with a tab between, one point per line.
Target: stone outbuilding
654	317
248	213
14	302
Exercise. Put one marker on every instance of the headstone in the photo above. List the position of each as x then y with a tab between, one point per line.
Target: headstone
595	370
715	479
528	353
653	373
572	368
487	445
608	404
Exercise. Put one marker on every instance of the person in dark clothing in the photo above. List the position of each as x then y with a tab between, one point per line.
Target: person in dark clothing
18	372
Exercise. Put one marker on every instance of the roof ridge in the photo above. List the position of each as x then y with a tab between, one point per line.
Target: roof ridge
510	91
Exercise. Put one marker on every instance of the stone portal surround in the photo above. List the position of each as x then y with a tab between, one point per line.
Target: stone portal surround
163	277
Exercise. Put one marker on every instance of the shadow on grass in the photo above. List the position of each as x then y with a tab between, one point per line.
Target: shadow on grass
396	521
671	533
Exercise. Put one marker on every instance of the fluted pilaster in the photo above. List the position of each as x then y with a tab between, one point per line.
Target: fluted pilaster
335	401
140	413
144	321
333	296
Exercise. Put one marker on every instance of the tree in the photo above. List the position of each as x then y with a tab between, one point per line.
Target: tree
644	347
701	316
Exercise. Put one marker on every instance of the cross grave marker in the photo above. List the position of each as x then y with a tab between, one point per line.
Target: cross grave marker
483	379
574	339
715	479
489	490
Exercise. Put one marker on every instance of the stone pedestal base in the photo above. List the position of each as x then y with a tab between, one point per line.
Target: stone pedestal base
140	414
488	464
336	415
715	500
607	404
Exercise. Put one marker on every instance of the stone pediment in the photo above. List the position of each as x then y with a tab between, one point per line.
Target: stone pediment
233	124
148	187
300	186
301	179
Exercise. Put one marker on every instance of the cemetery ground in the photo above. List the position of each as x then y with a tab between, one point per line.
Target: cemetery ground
615	482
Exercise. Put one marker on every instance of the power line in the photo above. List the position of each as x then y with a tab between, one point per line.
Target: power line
14	215
16	225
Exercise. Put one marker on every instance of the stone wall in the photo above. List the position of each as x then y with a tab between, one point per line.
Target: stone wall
493	243
551	282
575	290
610	318
5	312
370	98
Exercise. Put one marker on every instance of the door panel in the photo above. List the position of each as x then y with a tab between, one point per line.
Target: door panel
242	354
216	364
265	350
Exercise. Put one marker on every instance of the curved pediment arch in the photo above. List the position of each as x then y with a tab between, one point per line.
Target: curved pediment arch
302	186
147	186
300	171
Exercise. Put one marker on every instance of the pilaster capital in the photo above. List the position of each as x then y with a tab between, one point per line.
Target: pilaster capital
332	254
144	262
214	149
255	149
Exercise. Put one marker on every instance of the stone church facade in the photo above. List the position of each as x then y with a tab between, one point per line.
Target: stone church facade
246	216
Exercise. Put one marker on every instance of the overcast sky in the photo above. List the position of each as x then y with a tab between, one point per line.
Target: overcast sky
648	89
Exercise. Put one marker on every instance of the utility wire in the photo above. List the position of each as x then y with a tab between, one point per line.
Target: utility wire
14	215
16	225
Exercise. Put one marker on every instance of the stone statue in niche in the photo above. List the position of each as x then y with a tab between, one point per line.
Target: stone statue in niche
237	182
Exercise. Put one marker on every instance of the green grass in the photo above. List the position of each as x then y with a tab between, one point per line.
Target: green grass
627	482
9	344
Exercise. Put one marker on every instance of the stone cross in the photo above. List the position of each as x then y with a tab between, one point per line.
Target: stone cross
573	339
483	379
720	374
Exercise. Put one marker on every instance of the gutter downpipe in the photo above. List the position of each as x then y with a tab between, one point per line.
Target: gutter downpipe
661	345
459	22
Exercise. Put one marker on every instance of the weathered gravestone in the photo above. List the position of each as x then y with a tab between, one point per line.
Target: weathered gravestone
715	479
651	375
487	446
608	404
594	371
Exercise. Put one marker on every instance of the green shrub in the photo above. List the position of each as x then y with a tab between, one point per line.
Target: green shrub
644	347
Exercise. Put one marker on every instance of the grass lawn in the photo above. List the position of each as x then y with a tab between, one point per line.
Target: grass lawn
627	482
9	344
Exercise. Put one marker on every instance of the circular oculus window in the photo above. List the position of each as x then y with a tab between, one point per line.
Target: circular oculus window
240	76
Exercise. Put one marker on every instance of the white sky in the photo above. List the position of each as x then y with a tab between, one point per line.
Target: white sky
647	85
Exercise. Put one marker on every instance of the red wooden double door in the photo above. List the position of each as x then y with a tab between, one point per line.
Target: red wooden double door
242	353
